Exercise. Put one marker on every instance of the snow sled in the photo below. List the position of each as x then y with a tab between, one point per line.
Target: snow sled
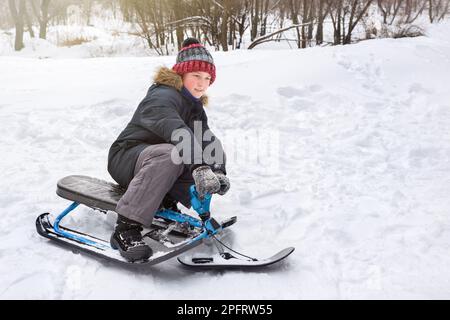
171	234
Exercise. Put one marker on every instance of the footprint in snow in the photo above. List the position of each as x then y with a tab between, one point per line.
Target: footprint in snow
314	88
418	88
292	92
239	97
301	104
374	106
119	110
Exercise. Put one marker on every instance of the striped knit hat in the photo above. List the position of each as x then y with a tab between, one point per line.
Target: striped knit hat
194	57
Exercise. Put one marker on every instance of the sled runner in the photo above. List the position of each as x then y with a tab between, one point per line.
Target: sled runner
230	261
171	233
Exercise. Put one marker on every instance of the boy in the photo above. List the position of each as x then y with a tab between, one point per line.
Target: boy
147	159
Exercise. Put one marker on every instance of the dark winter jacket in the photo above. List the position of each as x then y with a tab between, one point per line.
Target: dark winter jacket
165	108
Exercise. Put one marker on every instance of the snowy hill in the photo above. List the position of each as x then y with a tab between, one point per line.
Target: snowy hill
359	182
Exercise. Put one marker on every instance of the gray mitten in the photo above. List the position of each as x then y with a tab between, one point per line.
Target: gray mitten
224	182
205	181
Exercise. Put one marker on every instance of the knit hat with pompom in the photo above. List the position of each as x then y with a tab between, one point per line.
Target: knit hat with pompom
194	57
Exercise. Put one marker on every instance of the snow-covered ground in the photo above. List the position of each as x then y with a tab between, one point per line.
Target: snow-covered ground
360	185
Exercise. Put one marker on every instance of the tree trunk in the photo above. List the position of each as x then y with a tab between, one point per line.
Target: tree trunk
311	17
294	17
430	10
18	16
44	20
264	12
241	29
337	25
320	18
255	19
87	10
28	22
179	30
224	25
383	11
304	20
232	33
348	36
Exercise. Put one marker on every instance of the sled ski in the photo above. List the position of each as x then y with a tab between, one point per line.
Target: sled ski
229	261
102	248
171	234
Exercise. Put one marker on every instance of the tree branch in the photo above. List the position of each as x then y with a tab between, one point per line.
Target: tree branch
263	38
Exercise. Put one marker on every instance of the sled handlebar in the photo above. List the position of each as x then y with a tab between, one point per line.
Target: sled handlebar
201	206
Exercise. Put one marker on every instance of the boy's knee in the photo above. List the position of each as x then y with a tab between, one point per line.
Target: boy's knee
171	152
164	154
172	160
159	150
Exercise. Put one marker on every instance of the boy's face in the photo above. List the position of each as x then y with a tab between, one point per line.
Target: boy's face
197	82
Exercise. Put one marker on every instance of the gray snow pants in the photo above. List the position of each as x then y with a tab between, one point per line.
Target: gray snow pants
155	175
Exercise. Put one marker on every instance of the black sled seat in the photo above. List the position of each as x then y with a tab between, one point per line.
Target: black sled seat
92	192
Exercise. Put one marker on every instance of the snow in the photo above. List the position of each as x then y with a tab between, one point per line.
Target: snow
357	181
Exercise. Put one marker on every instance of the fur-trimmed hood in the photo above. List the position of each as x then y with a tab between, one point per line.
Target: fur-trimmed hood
170	78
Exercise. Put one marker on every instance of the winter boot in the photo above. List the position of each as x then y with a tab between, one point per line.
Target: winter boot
127	238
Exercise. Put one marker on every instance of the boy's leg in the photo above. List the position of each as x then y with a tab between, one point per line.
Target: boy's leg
154	175
180	189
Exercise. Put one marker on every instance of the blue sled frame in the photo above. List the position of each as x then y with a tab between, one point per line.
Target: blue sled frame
203	228
208	225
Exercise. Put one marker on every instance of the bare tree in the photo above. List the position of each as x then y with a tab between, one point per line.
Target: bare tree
255	8
178	15
28	22
42	15
445	10
389	9
241	19
358	9
295	9
87	10
57	11
322	11
307	21
6	21
340	11
17	9
224	25
264	16
336	10
437	9
412	10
